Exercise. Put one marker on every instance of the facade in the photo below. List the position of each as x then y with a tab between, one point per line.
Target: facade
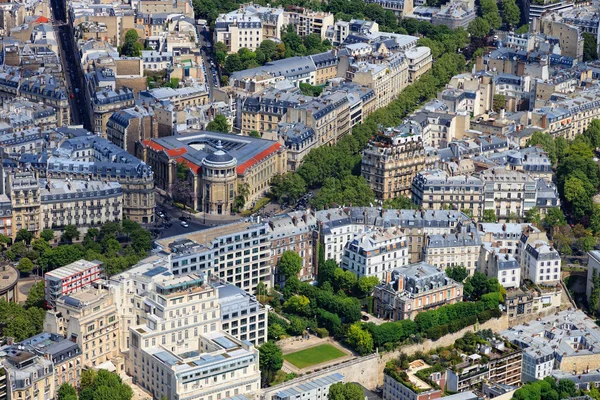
391	161
25	201
310	22
542	263
414	289
217	164
238	30
126	127
89	318
496	262
459	248
518	302
8	284
70	279
406	385
508	192
375	253
434	190
419	62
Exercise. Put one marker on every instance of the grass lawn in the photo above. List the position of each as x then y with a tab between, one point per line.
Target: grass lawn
314	355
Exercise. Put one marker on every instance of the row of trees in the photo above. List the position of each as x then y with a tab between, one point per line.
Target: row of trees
336	169
546	389
490	17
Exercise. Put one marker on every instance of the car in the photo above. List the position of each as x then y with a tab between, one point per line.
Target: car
160	214
184	224
365	317
182	218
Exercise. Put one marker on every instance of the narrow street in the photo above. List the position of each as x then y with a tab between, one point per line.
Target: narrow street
208	60
81	112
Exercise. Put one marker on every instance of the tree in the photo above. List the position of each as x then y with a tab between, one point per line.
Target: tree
131	47
366	284
533	216
219	124
595	293
479	28
268	49
255	134
47	235
576	194
297	304
344	280
511	15
290	264
399	203
25	265
270	361
522	29
36	296
360	340
69	233
595	220
586	243
24	235
345	391
233	63
66	392
489	11
547	143
590	47
326	271
554	218
499	102
489	216
105	385
290	186
458	273
593	133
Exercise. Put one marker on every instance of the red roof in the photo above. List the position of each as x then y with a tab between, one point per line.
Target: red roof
190	165
241	169
176	152
153	145
42	20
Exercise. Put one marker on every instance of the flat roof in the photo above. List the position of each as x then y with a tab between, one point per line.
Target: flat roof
206	236
72	269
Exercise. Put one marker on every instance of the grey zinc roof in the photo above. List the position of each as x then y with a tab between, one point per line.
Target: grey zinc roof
310	385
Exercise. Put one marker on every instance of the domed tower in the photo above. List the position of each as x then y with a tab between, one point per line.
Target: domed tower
218	182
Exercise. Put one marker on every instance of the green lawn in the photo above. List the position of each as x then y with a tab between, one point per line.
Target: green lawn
314	355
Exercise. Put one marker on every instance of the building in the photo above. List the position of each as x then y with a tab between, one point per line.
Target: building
337	227
453	249
8	283
126	127
406	385
570	343
28	375
217	165
501	365
70	279
294	231
542	263
89	318
400	8
218	251
419	62
497	262
315	389
434	190
508	192
375	253
309	22
391	161
414	289
519	302
238	30
25	201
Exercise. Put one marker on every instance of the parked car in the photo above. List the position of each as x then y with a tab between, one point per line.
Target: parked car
184	224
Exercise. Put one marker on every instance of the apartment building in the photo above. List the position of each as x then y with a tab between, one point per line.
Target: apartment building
336	227
238	30
238	253
83	156
497	262
188	96
530	302
25	201
391	161
506	235
307	22
50	92
126	127
459	248
89	318
375	253
406	385
419	62
338	32
435	190
400	8
455	15
473	93
387	79
592	267
542	263
28	376
315	389
508	192
294	231
414	289
70	279
217	168
105	102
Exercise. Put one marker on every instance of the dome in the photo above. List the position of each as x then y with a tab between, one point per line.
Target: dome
219	157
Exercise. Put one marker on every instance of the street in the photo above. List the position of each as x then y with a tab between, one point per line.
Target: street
210	69
81	112
176	228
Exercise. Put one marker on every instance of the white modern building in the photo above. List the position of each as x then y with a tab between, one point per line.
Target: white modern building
541	263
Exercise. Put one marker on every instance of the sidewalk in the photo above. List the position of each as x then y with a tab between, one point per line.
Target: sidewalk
205	219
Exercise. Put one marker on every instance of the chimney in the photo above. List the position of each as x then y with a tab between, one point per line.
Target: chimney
295	221
10	341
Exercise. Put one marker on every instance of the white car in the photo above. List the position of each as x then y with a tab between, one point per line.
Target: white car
184	224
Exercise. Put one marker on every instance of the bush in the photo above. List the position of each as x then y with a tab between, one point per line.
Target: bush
321	332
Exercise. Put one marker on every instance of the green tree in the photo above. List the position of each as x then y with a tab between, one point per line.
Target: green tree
290	264
489	11
593	133
25	265
23	235
511	15
297	304
255	134
586	243
499	102
269	49
590	47
70	233
219	124
326	271
66	392
458	273
523	29
576	194
47	235
360	340
366	284
36	296
489	216
290	186
131	47
595	220
344	280
345	391
554	218
399	203
233	63
547	143
533	216
270	361
479	28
